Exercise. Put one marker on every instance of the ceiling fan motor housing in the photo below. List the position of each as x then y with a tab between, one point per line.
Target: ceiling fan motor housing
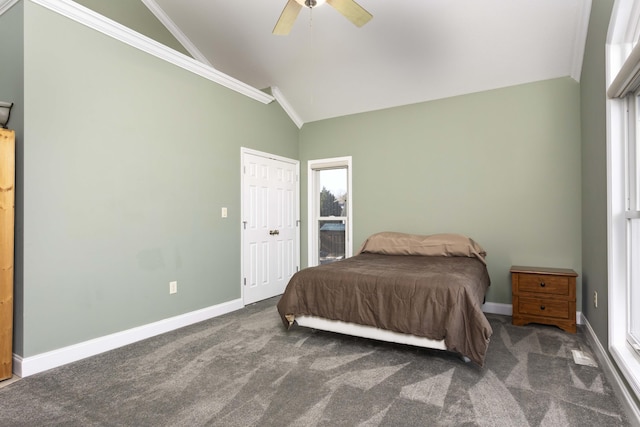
308	3
348	8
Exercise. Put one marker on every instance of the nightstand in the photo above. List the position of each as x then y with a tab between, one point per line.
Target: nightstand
544	295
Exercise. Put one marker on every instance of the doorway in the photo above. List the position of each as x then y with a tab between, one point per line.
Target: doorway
270	224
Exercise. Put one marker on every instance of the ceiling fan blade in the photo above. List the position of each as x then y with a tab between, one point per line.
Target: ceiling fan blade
287	18
352	11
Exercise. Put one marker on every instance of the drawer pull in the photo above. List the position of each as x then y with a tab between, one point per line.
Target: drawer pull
542	284
542	307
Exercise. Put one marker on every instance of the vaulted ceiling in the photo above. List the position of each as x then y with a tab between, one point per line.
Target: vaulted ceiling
411	51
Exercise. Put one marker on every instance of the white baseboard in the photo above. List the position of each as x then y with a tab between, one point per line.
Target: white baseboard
619	385
24	367
497	308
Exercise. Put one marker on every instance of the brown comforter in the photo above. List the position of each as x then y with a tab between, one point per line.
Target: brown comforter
437	297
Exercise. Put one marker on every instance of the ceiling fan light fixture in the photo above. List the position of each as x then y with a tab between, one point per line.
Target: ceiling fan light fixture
311	3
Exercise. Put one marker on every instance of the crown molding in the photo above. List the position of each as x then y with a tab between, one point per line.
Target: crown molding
580	40
6	5
175	30
277	94
93	20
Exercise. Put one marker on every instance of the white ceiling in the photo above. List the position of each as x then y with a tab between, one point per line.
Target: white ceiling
411	51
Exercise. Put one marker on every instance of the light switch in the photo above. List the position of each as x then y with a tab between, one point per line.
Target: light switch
224	212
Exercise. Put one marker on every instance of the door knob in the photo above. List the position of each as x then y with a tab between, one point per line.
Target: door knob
274	232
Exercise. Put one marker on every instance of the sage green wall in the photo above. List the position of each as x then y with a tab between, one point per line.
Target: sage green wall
127	163
501	166
594	171
135	15
11	90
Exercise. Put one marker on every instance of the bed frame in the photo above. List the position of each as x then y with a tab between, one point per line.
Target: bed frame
370	332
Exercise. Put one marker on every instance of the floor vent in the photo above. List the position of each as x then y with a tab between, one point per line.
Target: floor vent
582	358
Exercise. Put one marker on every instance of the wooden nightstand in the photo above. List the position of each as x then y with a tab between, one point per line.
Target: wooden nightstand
544	295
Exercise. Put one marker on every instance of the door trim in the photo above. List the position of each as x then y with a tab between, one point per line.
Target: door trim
243	214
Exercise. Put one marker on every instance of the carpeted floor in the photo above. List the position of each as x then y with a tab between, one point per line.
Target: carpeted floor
244	369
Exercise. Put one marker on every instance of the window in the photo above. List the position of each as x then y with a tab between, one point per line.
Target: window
632	219
329	210
623	170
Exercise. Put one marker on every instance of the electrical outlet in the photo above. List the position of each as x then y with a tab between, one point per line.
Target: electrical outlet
595	299
223	213
173	287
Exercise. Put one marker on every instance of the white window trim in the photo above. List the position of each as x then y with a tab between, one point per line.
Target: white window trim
620	349
314	165
623	34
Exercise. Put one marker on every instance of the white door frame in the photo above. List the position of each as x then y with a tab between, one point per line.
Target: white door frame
243	214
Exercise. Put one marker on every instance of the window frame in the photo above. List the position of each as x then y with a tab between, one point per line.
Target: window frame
623	78
632	215
313	168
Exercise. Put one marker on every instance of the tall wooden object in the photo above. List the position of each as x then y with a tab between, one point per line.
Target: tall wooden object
7	205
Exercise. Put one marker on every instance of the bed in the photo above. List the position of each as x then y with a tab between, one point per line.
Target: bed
411	289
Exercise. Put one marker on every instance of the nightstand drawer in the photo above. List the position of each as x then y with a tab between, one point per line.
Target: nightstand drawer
544	284
543	307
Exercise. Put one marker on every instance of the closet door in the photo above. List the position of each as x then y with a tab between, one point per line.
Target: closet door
7	203
270	232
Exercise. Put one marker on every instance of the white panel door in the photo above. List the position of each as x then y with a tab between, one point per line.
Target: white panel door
270	225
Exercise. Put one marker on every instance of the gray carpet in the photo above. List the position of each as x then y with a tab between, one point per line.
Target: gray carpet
244	369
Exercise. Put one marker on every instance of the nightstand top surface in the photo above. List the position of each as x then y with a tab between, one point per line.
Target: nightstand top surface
543	270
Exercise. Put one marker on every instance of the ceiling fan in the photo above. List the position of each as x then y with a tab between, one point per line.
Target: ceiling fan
348	8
